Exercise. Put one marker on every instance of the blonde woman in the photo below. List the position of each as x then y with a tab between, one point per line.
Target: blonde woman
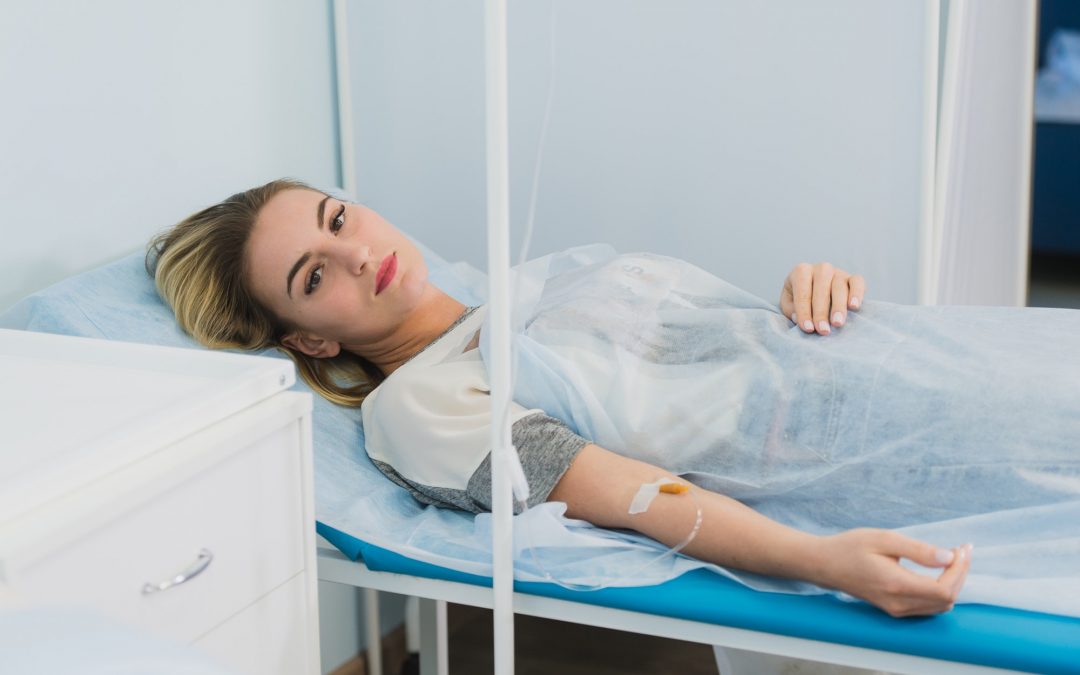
347	296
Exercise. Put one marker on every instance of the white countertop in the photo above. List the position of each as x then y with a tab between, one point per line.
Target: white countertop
64	398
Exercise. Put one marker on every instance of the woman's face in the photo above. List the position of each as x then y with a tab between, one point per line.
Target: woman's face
337	271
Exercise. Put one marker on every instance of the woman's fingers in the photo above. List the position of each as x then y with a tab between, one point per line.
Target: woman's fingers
868	566
918	595
933	596
856	291
840	284
802	284
922	596
954	576
818	297
925	554
822	297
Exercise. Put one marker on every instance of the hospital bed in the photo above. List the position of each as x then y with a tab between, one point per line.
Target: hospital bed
118	302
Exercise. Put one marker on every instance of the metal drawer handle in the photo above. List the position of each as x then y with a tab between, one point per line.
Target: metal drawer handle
200	564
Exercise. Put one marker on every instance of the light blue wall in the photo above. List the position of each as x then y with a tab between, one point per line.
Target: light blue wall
121	116
742	135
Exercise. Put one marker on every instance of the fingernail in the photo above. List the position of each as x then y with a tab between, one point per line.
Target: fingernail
808	326
854	303
969	547
943	556
823	327
838	319
794	319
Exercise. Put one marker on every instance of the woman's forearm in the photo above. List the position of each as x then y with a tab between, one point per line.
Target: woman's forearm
732	535
600	485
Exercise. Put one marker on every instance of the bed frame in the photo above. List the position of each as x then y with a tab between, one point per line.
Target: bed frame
433	595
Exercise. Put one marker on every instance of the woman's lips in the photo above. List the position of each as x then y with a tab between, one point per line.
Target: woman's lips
386	273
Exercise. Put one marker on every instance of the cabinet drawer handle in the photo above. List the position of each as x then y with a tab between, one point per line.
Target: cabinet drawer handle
200	564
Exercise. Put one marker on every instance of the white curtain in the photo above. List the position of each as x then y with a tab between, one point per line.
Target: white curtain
980	231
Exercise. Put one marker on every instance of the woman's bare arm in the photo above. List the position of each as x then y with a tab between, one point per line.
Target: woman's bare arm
599	486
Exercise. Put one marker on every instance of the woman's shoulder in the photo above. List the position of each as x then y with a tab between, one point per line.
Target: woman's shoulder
426	389
422	407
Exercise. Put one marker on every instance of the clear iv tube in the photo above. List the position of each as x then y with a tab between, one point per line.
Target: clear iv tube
633	574
535	189
514	288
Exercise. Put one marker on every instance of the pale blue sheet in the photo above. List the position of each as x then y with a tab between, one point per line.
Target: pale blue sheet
118	302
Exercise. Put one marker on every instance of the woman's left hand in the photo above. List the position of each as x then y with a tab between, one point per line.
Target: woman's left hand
818	297
865	563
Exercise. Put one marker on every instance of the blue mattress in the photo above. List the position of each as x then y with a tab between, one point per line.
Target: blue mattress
976	634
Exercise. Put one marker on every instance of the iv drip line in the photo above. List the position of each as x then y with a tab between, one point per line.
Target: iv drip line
521	491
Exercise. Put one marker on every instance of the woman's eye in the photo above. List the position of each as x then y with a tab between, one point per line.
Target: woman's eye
313	280
339	220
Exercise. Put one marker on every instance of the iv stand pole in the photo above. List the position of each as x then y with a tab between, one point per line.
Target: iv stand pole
498	236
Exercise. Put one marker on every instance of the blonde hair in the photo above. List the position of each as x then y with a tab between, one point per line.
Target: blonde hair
198	267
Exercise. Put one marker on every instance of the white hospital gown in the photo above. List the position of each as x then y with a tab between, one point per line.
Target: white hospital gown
428	427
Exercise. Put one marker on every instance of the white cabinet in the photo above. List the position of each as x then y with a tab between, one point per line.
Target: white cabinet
168	489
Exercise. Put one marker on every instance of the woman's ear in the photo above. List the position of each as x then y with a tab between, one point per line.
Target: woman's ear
311	345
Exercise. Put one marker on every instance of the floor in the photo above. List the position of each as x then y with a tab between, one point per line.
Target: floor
1055	282
546	646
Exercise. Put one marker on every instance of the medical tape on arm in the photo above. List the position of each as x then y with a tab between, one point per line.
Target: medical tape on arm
645	495
648	491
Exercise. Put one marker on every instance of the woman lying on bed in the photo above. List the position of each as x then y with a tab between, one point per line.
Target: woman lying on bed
793	430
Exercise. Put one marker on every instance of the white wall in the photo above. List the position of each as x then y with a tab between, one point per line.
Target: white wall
120	117
742	135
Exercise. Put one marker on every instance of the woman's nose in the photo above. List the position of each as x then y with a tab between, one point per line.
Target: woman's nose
355	256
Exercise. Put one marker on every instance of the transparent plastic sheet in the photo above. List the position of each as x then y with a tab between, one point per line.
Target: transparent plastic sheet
952	424
550	547
518	480
537	561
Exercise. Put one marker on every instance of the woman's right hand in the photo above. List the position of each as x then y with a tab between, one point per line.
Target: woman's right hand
818	297
865	563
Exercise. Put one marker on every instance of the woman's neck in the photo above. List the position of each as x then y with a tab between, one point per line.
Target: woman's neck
435	314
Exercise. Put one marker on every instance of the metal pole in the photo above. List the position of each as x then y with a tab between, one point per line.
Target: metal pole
498	233
346	151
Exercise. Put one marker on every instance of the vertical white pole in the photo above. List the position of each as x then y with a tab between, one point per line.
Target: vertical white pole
1027	113
498	214
434	652
929	234
950	122
372	631
347	171
346	150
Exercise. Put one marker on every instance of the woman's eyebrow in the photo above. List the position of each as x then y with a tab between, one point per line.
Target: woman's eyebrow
292	273
320	212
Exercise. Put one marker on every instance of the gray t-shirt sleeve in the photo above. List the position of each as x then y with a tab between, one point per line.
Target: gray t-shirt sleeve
546	446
